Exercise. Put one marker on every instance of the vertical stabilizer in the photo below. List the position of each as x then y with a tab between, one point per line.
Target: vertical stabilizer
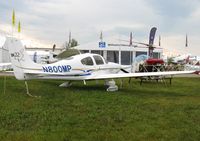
19	58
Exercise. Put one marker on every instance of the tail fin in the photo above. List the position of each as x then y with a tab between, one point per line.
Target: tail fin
19	58
187	60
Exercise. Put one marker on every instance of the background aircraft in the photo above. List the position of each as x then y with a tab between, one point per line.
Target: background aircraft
181	59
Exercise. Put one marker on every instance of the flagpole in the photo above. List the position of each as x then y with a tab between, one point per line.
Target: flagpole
4	86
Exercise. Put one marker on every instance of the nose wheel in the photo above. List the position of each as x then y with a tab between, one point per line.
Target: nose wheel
66	84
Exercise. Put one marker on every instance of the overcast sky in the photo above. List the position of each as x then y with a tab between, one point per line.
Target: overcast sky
49	21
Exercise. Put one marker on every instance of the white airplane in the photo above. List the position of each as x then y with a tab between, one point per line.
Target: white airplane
181	59
80	67
42	57
193	67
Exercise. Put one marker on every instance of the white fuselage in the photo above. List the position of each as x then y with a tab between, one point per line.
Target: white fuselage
78	67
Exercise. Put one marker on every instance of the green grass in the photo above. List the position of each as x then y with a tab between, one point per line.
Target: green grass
149	112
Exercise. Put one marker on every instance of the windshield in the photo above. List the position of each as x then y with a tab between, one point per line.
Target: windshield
68	53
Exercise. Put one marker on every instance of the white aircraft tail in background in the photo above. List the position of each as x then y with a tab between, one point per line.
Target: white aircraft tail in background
181	59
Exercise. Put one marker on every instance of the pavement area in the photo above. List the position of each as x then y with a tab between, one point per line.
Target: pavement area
6	74
187	75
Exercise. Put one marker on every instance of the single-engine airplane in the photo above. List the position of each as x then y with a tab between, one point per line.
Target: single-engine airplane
80	67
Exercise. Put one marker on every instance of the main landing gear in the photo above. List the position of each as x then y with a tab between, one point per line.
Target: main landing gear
111	85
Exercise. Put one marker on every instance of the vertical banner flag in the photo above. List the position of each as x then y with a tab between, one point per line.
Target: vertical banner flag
159	40
151	41
131	39
102	44
70	37
19	27
152	35
13	18
186	41
101	36
69	44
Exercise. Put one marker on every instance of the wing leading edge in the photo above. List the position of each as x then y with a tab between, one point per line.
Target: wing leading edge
143	74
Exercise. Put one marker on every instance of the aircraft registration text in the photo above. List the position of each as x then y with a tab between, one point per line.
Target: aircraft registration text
56	69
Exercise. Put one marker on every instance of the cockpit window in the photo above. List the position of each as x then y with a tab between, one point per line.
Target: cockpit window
98	60
87	61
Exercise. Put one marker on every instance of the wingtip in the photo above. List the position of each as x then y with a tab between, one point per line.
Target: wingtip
197	72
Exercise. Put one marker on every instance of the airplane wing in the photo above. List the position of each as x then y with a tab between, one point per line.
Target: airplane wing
143	74
113	76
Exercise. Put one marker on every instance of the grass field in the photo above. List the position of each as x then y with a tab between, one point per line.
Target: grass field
149	112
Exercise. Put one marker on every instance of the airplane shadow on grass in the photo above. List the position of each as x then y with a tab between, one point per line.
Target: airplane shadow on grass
158	89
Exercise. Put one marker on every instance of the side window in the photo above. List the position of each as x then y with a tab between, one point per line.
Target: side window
87	61
98	60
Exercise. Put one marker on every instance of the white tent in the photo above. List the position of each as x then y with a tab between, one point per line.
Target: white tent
116	49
